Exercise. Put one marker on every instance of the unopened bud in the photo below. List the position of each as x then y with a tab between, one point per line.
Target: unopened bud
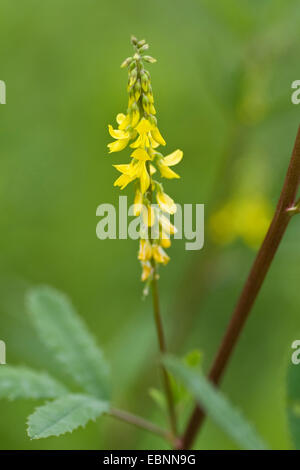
126	62
141	43
149	59
145	81
134	40
144	48
146	103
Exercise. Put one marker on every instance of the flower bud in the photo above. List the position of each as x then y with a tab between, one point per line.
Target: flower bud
126	62
141	43
145	81
134	40
146	103
149	59
144	48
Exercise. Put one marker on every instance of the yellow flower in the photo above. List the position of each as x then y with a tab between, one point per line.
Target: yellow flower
138	203
160	255
145	251
147	270
247	218
148	216
165	202
170	160
131	171
166	225
165	240
156	135
118	145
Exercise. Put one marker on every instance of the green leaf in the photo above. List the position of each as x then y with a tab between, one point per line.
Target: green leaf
216	405
65	334
22	382
293	402
64	415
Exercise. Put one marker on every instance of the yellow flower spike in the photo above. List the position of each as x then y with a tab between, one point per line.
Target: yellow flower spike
160	255
173	158
157	136
145	251
147	270
138	129
165	202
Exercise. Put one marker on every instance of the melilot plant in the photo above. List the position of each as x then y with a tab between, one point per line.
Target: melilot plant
75	350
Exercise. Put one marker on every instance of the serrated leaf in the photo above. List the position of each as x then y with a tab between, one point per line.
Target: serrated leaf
65	334
216	405
22	382
64	415
293	402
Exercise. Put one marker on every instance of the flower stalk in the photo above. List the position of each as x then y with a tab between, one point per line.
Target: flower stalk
256	277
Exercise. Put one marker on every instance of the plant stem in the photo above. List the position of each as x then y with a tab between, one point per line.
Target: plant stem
253	284
163	350
140	423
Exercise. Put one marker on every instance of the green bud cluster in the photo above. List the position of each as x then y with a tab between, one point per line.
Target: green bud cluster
139	81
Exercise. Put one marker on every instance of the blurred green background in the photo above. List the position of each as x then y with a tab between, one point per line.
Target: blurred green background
222	86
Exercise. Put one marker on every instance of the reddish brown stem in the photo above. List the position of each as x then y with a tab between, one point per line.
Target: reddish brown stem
252	286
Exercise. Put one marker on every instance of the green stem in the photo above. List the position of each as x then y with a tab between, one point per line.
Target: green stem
140	423
163	350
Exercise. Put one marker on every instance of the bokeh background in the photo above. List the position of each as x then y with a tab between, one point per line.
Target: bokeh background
222	86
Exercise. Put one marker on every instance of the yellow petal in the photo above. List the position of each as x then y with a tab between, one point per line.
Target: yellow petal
123	181
152	169
120	118
166	203
117	134
135	118
166	172
137	143
160	255
147	270
174	158
166	225
148	216
165	241
138	203
118	145
153	143
124	168
143	126
125	122
157	136
140	154
145	250
144	176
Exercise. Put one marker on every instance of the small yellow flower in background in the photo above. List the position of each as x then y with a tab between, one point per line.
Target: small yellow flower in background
138	130
245	218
